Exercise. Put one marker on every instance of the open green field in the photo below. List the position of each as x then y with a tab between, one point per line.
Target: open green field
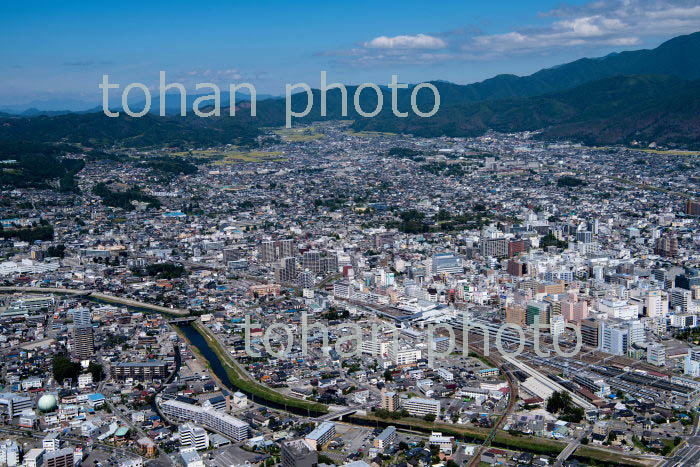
369	134
672	152
299	135
251	156
231	155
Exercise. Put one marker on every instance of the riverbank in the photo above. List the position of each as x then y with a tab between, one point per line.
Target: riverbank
241	381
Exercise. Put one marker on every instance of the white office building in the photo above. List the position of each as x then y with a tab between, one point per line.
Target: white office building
619	309
442	442
404	356
12	405
692	362
420	407
614	339
193	436
656	354
207	417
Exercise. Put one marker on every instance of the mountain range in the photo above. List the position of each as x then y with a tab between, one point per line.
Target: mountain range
642	95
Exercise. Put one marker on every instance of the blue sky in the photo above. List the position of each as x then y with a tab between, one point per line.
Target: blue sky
55	53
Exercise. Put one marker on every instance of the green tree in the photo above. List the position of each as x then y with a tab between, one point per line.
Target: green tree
558	402
96	370
64	368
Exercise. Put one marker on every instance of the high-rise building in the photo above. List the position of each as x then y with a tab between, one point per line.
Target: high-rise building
515	247
286	247
574	311
516	314
692	208
656	304
60	458
306	279
584	237
516	268
231	254
83	342
12	405
267	252
286	270
298	453
51	442
193	436
381	239
496	247
656	354
681	299
689	279
692	362
590	332
407	356
81	316
329	263
311	260
386	438
390	401
446	263
34	458
537	312
614	339
667	246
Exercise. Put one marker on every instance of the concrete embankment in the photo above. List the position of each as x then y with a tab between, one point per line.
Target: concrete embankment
99	296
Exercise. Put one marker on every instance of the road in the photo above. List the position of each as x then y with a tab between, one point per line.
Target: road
127	421
99	296
568	450
688	456
40	435
512	399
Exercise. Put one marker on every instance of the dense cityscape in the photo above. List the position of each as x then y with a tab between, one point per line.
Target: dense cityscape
144	310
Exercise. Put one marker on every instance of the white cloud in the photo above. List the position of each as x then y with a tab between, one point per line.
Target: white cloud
595	27
419	41
210	75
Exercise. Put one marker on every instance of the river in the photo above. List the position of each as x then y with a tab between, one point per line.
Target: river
217	367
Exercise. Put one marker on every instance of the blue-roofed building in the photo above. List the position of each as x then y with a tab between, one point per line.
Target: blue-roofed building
96	399
488	372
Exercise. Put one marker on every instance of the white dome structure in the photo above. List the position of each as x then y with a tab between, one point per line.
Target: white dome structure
48	403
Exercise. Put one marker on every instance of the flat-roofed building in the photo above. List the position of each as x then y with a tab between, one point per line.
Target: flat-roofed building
83	342
656	354
12	405
390	401
140	371
420	407
207	417
61	458
444	443
193	436
298	453
34	458
385	438
321	435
